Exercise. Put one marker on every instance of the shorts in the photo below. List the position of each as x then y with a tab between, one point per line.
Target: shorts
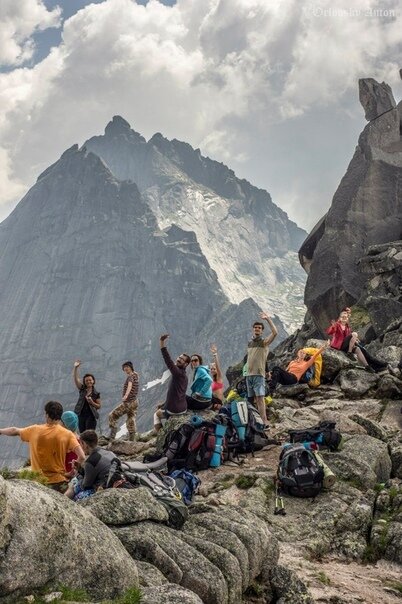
255	385
79	492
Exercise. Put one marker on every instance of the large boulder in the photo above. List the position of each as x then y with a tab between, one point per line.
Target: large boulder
215	555
59	543
169	594
382	295
376	98
117	507
363	461
366	210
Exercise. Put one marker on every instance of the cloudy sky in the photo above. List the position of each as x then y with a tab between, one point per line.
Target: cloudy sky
268	87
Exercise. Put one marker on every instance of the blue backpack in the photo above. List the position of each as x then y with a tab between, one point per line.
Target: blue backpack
187	483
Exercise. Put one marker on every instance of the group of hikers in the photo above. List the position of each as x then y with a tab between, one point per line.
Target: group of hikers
65	449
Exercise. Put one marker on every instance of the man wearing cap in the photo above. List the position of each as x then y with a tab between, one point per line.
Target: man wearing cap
48	446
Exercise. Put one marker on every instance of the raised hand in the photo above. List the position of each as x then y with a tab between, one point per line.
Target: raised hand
214	349
264	316
77	363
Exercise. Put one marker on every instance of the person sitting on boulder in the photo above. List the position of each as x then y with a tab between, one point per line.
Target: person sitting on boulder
93	473
295	370
347	341
201	388
175	403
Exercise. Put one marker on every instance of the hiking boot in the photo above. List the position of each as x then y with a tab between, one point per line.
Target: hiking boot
113	432
131	436
369	369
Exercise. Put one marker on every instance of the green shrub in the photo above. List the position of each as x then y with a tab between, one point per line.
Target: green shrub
323	578
245	481
131	596
26	474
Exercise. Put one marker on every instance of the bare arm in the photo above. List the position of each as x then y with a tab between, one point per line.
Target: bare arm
174	370
126	395
97	404
10	431
274	332
76	378
214	351
80	454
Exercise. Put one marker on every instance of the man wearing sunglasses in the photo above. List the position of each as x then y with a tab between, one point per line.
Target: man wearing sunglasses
175	403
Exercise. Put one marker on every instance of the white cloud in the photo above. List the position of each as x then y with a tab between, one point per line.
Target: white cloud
252	83
19	19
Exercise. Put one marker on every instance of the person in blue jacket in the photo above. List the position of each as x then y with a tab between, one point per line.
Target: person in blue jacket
201	388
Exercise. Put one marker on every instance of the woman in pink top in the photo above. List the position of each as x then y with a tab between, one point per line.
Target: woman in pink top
217	384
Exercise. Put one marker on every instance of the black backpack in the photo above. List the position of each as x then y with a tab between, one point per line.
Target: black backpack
299	473
324	434
190	447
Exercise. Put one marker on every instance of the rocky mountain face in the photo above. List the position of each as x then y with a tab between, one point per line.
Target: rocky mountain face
86	272
246	238
366	211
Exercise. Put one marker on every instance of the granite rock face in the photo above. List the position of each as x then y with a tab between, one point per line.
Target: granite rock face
87	273
366	211
246	238
55	539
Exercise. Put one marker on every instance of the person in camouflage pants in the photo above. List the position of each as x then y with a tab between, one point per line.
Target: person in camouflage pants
128	405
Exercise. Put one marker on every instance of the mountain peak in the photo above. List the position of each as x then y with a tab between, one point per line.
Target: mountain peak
118	126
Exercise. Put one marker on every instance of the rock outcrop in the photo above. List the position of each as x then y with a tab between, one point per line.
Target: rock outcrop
366	211
47	540
246	238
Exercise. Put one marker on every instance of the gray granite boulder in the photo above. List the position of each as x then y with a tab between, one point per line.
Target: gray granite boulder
376	98
116	507
215	555
363	460
59	542
149	575
287	588
355	383
169	594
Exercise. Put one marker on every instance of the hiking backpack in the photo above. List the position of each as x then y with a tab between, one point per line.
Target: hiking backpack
245	438
162	487
324	435
187	483
299	473
197	445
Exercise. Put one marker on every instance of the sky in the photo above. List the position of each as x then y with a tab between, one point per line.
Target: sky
268	87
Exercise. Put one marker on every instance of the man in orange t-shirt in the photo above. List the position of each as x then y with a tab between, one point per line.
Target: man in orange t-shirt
48	444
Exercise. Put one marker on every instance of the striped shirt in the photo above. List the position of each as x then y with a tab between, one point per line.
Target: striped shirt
257	352
133	378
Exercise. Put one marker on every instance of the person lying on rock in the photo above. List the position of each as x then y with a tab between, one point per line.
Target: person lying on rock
347	341
201	387
128	405
257	352
92	474
175	403
295	370
48	445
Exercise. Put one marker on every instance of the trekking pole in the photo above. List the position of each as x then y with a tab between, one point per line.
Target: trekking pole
279	505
